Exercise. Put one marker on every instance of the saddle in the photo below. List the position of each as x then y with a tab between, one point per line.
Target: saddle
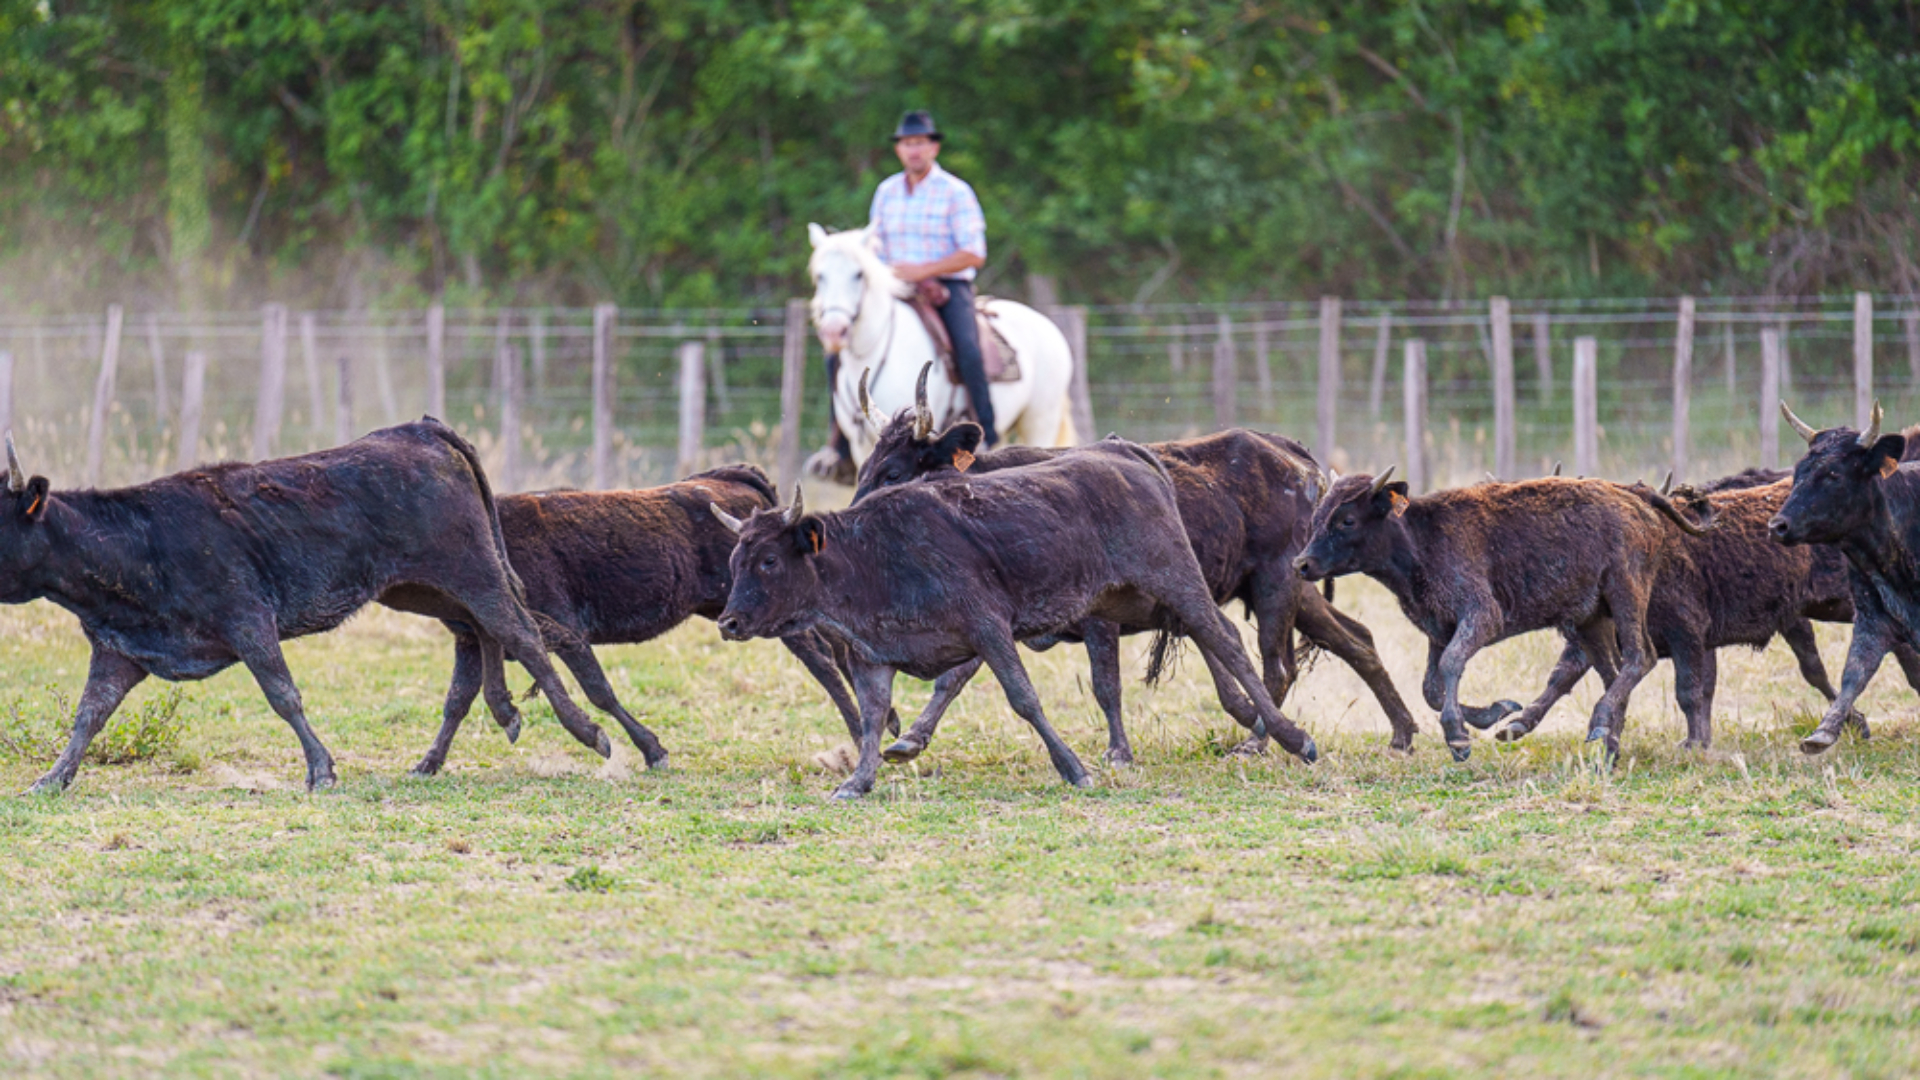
996	355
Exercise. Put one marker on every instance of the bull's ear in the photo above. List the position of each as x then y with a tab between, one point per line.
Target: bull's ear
1396	496
810	536
32	502
1887	453
955	446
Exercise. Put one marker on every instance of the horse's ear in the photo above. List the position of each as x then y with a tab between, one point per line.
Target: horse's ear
815	234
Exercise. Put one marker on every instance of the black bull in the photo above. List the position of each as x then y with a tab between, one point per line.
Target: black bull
924	577
185	576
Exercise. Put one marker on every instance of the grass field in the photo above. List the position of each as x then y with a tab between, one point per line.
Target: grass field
536	911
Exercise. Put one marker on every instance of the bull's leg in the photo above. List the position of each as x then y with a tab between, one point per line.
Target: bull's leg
1873	636
995	645
261	653
1806	651
946	689
1568	670
493	684
1275	611
460	694
497	615
1219	642
1693	677
873	685
1628	604
109	678
1432	687
579	658
1103	668
1345	637
814	655
1474	633
1909	661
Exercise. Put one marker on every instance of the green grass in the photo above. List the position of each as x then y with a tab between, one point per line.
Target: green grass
536	911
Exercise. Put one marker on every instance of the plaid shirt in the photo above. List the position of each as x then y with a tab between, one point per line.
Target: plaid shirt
940	217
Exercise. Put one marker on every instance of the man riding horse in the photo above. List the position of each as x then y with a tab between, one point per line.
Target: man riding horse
929	228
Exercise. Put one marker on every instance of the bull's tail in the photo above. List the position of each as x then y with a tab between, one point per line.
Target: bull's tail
1709	520
1163	655
465	449
752	476
1326	590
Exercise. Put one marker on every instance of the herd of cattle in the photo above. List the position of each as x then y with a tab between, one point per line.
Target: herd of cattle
950	555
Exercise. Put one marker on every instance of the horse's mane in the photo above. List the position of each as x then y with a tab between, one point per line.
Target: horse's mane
854	242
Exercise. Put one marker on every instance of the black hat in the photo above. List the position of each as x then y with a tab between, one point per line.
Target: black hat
916	122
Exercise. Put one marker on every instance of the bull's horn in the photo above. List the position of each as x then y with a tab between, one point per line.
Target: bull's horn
733	524
1872	434
1556	468
922	412
16	477
795	509
1666	486
1380	482
867	412
1805	430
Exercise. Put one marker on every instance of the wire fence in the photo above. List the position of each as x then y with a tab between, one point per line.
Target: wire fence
110	397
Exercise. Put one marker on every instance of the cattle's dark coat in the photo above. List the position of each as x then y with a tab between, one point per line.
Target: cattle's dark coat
184	576
618	567
1245	500
1851	491
923	577
1477	565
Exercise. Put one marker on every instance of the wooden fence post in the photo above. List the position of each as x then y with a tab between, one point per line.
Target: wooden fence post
343	399
693	406
162	393
1786	358
1543	355
1770	398
1414	395
1225	380
604	317
271	405
1911	323
103	395
1682	386
1726	336
1377	381
1862	359
1079	393
6	391
193	403
793	384
1500	314
1586	407
717	372
1176	350
1329	395
506	380
1263	367
310	363
537	342
436	361
382	370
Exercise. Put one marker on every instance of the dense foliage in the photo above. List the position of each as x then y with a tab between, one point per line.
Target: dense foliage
671	152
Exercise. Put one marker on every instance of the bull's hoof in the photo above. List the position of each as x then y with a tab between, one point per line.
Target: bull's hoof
1120	756
1253	746
1513	732
321	782
659	764
1693	744
1489	715
512	728
602	745
427	767
46	788
1083	781
1818	740
1460	751
1859	725
901	752
1597	733
848	792
1309	752
893	723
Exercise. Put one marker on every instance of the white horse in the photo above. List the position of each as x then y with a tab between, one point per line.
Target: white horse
860	311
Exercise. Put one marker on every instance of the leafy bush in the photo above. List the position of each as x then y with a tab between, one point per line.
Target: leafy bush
37	730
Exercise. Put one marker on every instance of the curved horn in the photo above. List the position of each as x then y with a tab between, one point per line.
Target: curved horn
922	412
1806	430
733	524
793	511
867	412
1666	486
1872	434
16	476
1380	481
1556	468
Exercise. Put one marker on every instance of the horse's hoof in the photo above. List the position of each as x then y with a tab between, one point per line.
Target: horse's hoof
1818	741
512	728
1309	752
901	752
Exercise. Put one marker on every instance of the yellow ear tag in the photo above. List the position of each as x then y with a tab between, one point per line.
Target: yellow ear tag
1399	503
962	460
35	508
819	540
1889	466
